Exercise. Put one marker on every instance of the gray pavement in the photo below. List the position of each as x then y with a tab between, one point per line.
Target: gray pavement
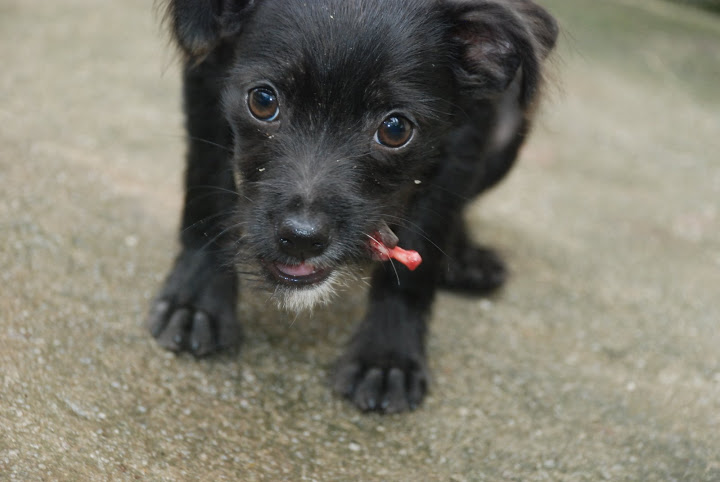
600	359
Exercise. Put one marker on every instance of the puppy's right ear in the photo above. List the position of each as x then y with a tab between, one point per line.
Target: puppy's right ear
498	39
201	25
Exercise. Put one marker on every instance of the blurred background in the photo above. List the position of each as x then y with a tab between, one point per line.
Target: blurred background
708	4
598	361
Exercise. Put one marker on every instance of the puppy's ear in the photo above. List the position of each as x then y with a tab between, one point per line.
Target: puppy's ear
497	39
200	25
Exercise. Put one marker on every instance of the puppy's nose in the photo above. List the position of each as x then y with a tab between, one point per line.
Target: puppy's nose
303	237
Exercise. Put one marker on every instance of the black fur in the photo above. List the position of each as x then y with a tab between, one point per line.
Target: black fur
466	74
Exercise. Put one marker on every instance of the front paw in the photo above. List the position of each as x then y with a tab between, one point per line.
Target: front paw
195	310
387	381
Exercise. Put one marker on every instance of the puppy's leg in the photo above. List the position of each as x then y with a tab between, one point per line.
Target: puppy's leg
474	269
195	309
384	367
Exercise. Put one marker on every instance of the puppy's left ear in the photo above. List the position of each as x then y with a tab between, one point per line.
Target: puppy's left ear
498	38
199	26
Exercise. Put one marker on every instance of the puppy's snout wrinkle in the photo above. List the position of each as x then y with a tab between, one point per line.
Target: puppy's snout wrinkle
303	237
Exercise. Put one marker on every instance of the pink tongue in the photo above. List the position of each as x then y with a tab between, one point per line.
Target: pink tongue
296	271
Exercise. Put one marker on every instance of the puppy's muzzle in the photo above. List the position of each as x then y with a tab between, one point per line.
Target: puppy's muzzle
301	238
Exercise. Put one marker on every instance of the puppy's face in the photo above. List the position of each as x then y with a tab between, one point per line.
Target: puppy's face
339	110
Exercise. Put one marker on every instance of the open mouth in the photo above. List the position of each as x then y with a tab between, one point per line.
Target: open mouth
303	274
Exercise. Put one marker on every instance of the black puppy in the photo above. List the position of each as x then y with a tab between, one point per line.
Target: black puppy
314	127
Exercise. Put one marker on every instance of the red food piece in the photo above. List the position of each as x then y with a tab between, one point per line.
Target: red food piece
411	259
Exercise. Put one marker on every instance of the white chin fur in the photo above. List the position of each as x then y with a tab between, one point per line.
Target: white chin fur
306	298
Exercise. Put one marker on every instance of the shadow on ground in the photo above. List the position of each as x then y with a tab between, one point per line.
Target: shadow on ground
598	361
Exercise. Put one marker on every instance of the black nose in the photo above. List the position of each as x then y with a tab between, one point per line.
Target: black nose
303	237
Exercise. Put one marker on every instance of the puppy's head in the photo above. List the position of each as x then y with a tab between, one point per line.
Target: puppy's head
341	112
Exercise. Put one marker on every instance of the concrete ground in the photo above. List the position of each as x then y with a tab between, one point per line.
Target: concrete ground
599	360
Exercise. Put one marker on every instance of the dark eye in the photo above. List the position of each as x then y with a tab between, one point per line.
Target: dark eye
263	104
394	132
